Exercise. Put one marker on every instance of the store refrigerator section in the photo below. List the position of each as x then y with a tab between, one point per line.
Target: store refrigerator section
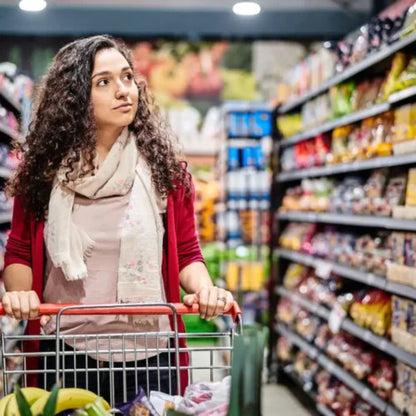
244	221
342	287
15	103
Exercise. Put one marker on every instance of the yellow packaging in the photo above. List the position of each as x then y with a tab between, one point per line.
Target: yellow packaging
411	188
252	276
232	276
403	123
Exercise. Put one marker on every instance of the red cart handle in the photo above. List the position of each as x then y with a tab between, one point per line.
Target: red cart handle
181	309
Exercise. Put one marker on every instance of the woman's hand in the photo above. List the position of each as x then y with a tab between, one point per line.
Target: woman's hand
23	304
212	301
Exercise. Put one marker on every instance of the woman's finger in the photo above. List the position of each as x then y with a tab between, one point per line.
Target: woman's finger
24	305
190	299
15	305
220	302
34	305
212	302
229	301
44	319
203	297
7	305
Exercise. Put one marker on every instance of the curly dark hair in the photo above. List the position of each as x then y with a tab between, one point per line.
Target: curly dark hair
63	124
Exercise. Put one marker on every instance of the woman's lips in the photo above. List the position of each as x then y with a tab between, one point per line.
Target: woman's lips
124	107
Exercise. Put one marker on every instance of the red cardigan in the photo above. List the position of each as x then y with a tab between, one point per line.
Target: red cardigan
181	248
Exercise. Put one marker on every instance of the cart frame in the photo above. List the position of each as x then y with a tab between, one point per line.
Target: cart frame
103	349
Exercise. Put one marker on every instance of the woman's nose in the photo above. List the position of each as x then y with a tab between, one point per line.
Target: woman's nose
122	90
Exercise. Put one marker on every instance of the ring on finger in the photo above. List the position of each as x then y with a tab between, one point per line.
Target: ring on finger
222	299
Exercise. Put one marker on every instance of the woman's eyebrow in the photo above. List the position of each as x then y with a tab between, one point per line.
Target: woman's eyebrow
126	68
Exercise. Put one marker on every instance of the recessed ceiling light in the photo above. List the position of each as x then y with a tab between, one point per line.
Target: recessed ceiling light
32	5
246	8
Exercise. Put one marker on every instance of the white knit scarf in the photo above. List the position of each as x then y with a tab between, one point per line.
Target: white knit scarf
139	270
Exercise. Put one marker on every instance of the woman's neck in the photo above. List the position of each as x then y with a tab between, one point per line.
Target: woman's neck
105	140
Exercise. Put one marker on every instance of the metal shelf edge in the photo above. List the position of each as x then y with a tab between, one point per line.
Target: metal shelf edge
379	162
352	382
359	387
367	278
349	219
342	121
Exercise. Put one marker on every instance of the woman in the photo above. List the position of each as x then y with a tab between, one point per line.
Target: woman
103	209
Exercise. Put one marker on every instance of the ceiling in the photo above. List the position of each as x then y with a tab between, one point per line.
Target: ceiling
190	19
206	4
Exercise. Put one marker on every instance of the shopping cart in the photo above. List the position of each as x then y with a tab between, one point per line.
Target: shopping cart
107	361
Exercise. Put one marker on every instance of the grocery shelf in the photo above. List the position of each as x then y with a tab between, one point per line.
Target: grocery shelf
356	385
348	325
367	278
330	125
323	410
347	219
9	101
374	58
402	95
379	342
312	307
360	388
296	339
379	162
241	143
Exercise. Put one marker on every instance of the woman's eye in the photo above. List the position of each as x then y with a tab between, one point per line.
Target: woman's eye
102	83
128	77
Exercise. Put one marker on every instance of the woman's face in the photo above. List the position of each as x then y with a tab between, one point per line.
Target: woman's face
114	94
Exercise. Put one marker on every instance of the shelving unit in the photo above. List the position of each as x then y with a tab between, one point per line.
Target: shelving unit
329	365
362	165
345	219
371	65
348	325
245	201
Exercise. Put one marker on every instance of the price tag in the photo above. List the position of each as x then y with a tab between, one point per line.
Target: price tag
336	316
323	269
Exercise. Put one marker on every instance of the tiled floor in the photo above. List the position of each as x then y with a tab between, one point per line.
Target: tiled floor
277	400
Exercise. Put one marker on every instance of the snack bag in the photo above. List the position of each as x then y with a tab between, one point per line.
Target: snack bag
397	66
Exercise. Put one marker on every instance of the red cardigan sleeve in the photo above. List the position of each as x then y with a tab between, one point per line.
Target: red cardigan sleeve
18	247
189	250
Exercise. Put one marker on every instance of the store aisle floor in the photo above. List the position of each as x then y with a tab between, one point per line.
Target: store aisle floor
277	400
